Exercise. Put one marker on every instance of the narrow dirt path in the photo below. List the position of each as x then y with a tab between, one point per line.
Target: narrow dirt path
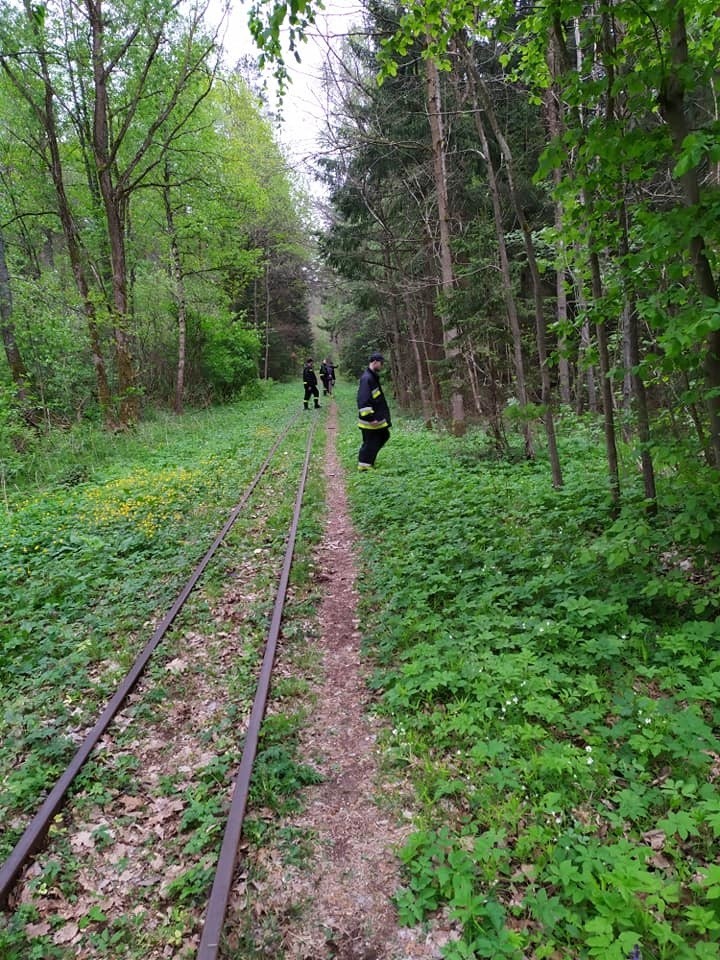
340	906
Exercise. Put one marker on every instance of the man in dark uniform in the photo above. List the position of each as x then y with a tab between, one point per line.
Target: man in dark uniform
373	413
310	383
325	377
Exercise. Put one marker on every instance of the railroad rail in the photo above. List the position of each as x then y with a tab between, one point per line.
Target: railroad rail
35	834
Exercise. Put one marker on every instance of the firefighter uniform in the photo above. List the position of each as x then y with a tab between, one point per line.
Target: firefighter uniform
310	382
373	413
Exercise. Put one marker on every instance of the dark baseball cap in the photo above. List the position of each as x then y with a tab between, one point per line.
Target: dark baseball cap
377	356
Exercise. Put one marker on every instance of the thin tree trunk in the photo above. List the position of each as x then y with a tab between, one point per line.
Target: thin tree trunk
562	304
672	107
505	275
45	114
627	388
176	273
554	115
605	384
637	383
540	321
648	470
113	204
266	364
697	420
421	372
447	277
585	344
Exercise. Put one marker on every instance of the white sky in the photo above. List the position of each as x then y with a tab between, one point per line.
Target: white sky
303	109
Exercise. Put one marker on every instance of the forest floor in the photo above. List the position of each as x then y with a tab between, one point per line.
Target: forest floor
121	876
339	903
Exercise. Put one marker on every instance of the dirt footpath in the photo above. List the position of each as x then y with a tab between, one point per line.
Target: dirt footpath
340	904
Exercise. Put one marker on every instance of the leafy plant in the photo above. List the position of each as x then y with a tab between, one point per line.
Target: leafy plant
550	677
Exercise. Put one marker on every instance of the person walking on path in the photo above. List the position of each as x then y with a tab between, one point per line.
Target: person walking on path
310	382
327	375
373	413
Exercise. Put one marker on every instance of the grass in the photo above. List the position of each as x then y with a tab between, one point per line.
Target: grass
86	571
550	673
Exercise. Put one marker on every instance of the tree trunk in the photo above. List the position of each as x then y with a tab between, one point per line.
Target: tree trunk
421	371
266	362
586	372
447	278
648	470
114	206
605	384
672	107
505	276
540	321
636	381
45	113
554	116
178	282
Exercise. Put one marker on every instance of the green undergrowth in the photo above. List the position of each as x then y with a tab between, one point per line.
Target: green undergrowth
233	441
551	678
87	570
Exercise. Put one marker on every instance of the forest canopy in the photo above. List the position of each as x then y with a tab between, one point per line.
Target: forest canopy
525	213
150	224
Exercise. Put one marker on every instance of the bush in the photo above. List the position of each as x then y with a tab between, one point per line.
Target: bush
229	356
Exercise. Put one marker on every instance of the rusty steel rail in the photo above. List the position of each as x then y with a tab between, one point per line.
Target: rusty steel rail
36	832
220	893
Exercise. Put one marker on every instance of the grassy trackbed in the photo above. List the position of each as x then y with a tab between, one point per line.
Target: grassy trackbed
552	679
95	548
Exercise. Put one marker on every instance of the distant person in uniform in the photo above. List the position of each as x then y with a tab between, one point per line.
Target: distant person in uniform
373	413
327	375
310	382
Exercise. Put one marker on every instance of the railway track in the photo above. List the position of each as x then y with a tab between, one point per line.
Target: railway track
42	824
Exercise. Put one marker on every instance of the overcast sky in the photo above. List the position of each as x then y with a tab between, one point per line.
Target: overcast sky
303	110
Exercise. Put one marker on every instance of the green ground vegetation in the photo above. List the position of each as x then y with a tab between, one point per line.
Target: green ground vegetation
551	678
127	528
549	669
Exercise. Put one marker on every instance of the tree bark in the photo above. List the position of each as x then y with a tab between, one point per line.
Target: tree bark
505	276
266	332
605	385
178	283
540	321
45	114
447	277
639	393
672	107
421	371
114	206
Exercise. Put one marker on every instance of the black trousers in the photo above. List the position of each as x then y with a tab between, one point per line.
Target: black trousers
373	442
311	392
